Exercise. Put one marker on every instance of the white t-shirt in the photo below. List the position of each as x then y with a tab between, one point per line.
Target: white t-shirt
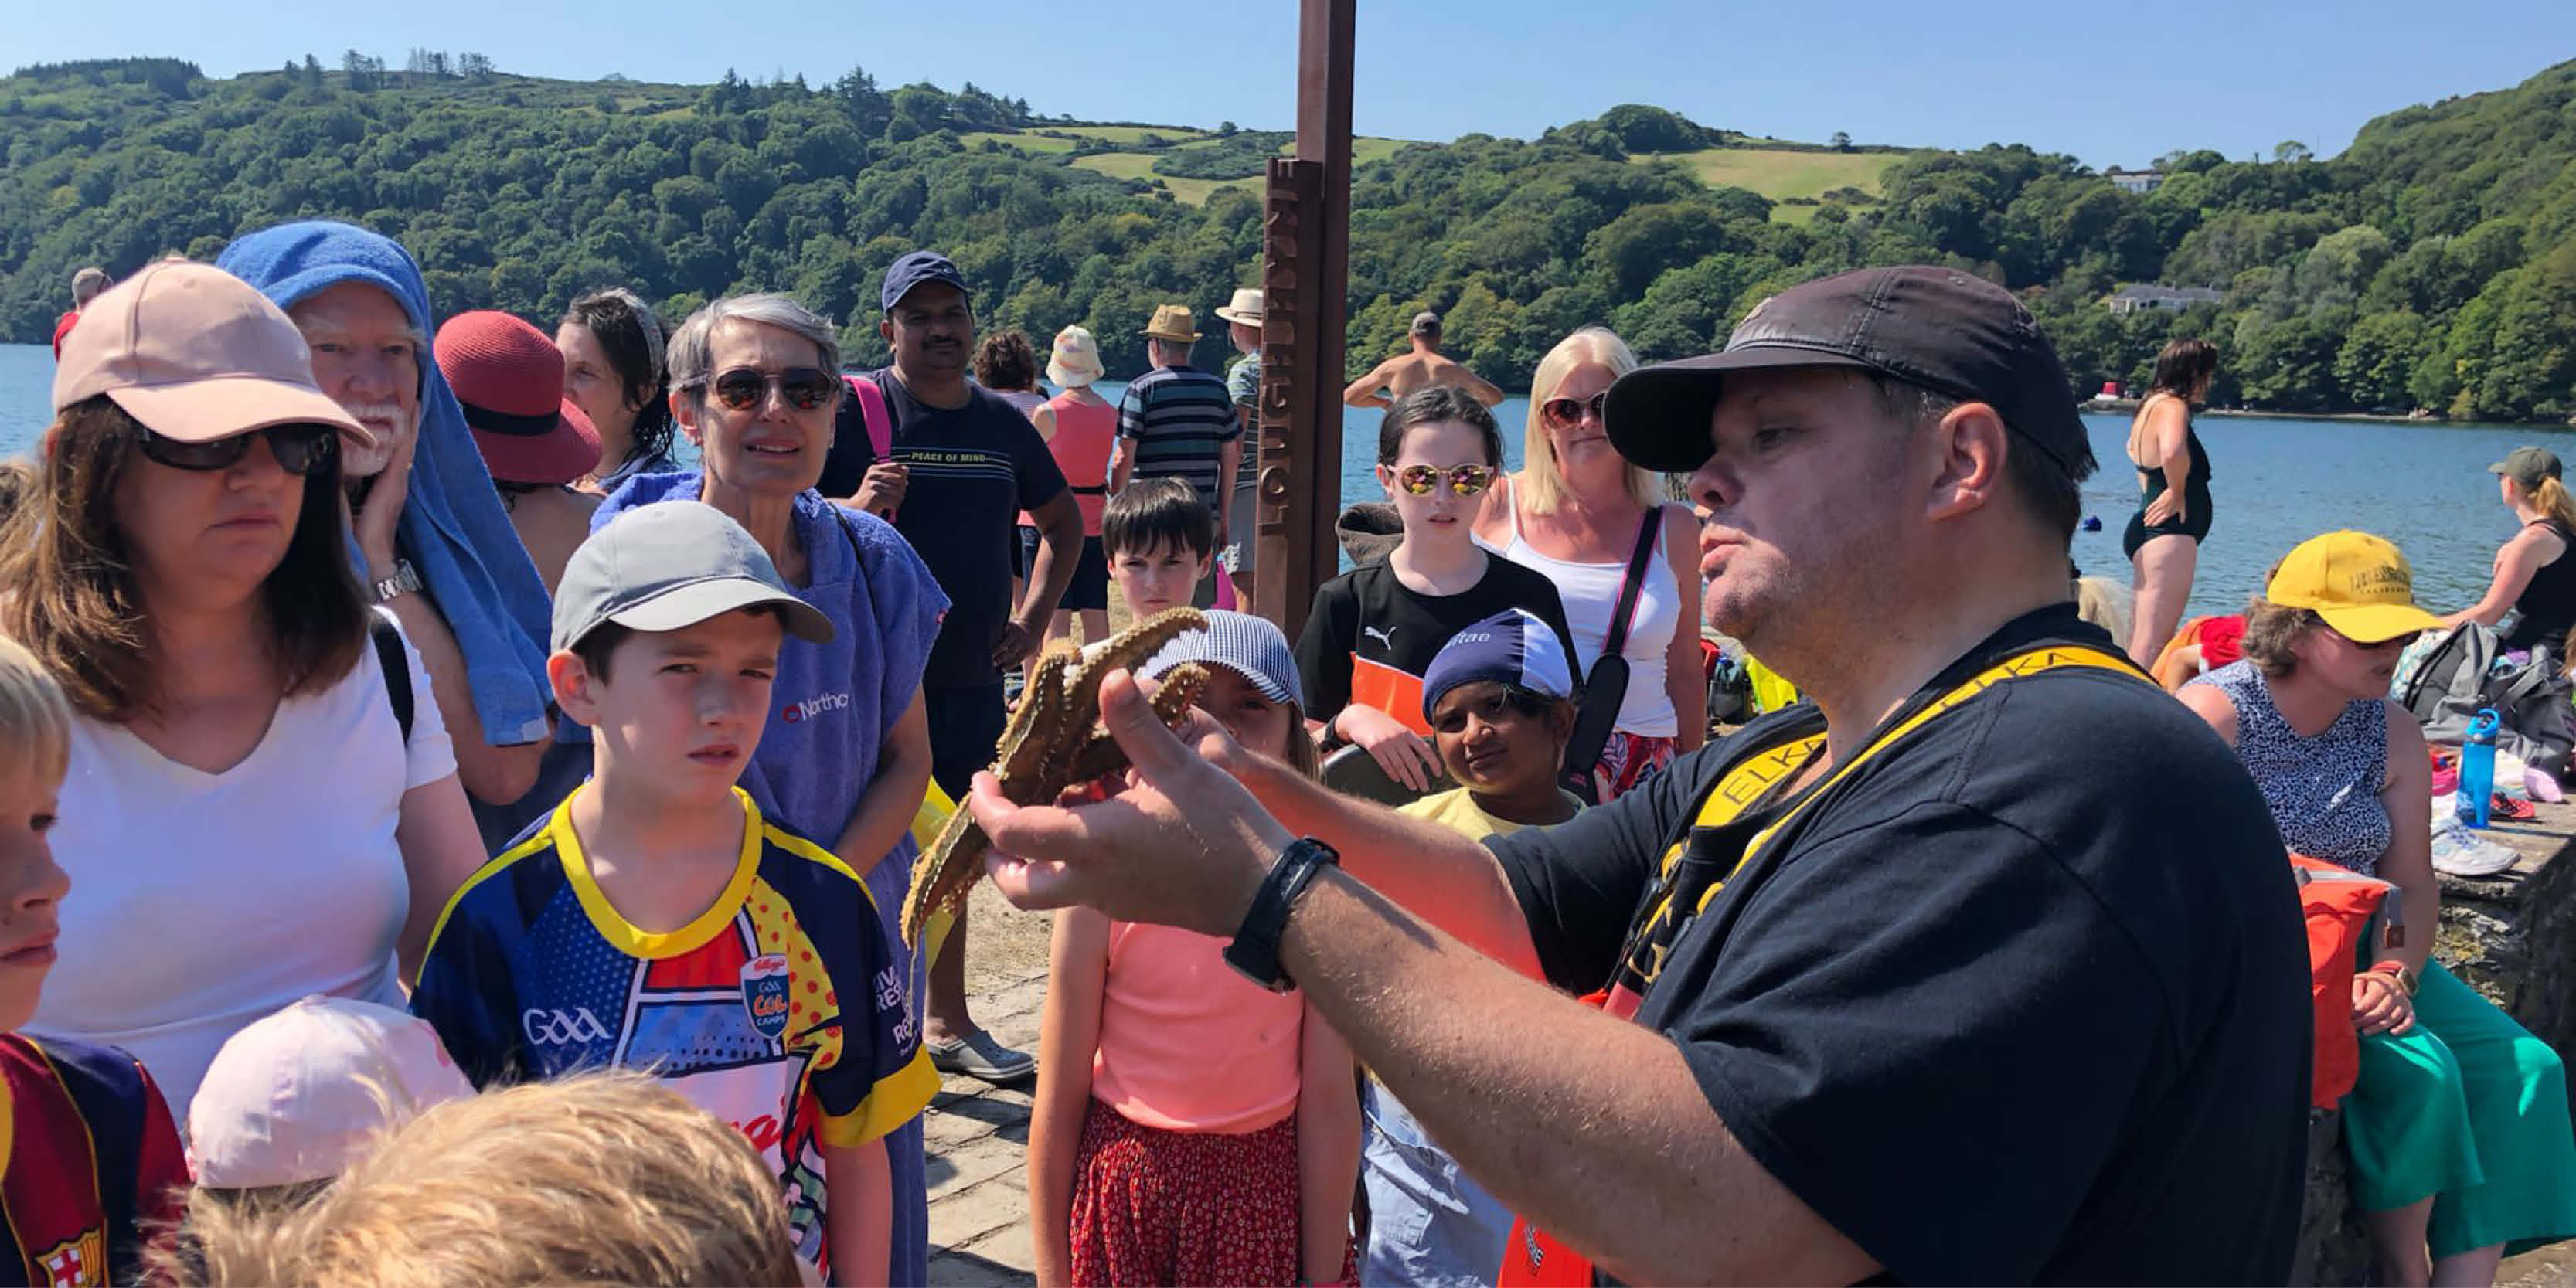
202	902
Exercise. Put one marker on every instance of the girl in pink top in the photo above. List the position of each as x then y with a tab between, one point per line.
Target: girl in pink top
1192	1127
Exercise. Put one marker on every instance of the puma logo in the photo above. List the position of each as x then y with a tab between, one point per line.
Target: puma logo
1385	637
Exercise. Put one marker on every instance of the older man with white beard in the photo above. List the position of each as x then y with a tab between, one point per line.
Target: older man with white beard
437	547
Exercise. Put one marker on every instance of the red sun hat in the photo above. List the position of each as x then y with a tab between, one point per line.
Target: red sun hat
510	378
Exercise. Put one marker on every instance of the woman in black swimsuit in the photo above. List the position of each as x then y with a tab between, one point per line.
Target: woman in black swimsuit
2163	541
2533	575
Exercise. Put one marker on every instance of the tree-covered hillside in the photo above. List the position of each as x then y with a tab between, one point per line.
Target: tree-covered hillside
2431	265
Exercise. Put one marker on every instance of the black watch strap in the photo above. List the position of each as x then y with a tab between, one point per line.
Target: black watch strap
1255	950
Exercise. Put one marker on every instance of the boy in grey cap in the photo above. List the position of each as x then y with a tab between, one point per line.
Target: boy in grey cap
657	921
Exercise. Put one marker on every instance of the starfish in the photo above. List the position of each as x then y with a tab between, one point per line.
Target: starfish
1052	743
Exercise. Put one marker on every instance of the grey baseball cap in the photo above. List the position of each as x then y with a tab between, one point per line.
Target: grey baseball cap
1250	646
670	565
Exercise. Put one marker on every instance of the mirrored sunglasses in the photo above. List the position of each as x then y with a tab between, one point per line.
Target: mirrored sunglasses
1465	480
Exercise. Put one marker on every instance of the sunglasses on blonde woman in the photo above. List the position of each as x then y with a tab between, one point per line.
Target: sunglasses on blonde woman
1570	411
1465	480
743	388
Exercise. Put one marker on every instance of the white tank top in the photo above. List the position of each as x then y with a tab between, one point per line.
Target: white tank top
1591	595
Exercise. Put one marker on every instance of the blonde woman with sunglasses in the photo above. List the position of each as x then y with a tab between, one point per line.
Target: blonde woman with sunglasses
1577	513
1374	630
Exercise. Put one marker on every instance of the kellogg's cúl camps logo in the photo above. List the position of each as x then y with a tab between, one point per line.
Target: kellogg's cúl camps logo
764	994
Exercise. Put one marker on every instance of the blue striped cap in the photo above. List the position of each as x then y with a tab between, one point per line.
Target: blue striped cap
1249	646
1513	647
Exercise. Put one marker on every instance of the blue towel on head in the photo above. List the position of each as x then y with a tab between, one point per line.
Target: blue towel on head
453	529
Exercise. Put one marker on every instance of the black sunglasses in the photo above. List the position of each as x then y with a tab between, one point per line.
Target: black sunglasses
743	388
299	449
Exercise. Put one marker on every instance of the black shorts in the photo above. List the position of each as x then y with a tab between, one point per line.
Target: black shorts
1089	589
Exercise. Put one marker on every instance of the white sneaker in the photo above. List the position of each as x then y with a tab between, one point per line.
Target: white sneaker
2461	852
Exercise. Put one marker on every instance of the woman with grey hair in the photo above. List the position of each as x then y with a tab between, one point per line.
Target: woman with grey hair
755	380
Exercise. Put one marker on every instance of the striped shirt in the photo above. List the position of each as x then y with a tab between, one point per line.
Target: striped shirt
1178	419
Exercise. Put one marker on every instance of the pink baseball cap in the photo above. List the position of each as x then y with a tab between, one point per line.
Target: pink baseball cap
196	354
303	1094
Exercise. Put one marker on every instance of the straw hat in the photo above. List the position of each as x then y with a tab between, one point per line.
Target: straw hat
1075	361
1246	307
1172	322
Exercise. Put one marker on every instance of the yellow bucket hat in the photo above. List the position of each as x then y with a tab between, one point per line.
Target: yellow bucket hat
2359	583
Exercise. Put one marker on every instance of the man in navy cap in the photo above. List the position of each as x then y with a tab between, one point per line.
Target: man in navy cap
1984	967
964	465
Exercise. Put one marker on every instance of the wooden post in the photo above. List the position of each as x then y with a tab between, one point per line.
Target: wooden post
1306	278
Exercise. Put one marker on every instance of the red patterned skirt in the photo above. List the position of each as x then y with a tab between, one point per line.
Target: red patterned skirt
1167	1207
1628	760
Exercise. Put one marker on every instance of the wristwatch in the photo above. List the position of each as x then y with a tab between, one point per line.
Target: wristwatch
403	582
1254	954
2406	980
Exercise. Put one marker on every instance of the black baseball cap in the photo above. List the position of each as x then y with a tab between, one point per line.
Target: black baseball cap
1947	331
916	268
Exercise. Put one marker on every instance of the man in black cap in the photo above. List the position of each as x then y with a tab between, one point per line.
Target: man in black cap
1985	967
964	465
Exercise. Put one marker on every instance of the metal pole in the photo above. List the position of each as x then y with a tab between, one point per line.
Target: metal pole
1306	274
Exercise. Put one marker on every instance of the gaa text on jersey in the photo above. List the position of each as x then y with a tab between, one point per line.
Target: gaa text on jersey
558	1028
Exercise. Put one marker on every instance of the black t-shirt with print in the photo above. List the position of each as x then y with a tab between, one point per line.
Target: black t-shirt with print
2023	999
973	470
1369	639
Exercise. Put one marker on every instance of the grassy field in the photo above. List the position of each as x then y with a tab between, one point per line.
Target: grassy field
1140	165
1127	134
1033	144
1120	165
1777	174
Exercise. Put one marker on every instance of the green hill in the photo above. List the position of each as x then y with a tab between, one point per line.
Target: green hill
2433	264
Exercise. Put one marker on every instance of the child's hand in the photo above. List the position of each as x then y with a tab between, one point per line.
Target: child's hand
1399	751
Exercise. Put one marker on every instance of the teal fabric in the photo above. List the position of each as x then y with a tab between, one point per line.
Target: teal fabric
2470	1109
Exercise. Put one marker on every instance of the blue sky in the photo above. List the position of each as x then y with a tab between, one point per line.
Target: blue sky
2061	76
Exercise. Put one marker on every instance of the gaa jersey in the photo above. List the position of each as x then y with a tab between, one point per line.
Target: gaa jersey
532	973
90	1163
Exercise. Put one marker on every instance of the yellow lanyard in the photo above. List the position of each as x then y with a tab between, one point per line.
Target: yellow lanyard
1748	781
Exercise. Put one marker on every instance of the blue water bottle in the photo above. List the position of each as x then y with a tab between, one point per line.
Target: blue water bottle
2477	768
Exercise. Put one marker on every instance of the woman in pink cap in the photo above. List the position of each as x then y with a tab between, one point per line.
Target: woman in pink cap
536	441
260	805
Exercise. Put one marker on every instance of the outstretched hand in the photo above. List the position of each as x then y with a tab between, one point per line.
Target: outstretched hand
1183	845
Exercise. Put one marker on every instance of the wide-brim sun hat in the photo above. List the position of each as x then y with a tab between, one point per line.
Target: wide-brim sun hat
2360	584
1245	307
196	354
1074	359
509	377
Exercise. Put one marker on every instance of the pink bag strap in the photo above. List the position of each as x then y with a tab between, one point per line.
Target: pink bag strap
874	414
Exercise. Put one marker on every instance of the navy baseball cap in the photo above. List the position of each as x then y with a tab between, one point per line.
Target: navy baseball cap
1945	330
916	268
1511	647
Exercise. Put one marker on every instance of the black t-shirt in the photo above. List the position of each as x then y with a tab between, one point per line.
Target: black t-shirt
973	469
2023	999
1369	639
